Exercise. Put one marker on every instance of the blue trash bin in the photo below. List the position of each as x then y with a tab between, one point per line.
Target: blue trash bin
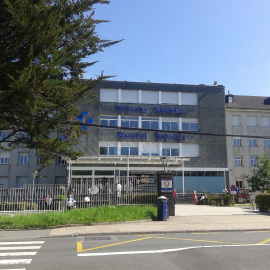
162	208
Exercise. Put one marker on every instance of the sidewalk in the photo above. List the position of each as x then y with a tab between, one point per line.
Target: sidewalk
188	218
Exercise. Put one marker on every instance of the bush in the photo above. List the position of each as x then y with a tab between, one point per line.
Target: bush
18	206
228	200
263	202
143	198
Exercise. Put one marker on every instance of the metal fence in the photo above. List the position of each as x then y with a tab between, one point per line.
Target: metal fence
81	194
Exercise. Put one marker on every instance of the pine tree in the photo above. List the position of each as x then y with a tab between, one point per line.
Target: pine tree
42	45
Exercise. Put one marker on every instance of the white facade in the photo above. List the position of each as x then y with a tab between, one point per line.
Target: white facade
248	130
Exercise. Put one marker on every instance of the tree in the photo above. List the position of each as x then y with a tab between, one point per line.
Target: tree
260	178
42	45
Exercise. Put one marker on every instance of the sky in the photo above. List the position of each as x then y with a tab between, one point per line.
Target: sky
187	42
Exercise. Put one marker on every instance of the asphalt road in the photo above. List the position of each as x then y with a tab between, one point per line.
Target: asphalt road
219	250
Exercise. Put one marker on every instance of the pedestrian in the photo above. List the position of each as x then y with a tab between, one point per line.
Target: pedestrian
90	194
48	202
118	190
195	197
174	195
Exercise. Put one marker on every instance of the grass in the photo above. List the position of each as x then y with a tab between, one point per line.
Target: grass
78	216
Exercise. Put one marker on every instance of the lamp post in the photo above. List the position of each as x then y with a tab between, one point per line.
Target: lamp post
34	174
164	161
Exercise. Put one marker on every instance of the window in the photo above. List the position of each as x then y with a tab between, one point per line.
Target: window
265	121
4	157
110	121
129	122
236	120
62	137
170	124
23	158
20	181
170	150
236	141
267	142
169	98
237	161
253	161
149	123
5	134
24	135
239	184
129	96
108	150
108	95
3	182
149	97
190	124
150	149
252	142
189	98
190	150
60	161
252	121
129	151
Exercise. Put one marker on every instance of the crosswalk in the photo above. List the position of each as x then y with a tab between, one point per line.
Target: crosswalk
18	254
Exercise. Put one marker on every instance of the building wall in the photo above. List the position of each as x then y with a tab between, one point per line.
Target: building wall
210	112
244	150
14	175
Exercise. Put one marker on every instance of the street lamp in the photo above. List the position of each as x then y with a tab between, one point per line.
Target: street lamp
164	161
34	174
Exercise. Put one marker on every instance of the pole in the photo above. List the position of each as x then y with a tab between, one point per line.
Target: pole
183	177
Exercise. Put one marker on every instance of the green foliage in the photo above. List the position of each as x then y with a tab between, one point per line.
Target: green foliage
228	200
18	206
42	51
263	202
260	177
143	198
78	216
225	199
60	198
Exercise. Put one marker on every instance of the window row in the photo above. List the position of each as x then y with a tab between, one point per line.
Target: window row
23	159
148	149
148	97
238	161
5	135
162	123
251	142
252	121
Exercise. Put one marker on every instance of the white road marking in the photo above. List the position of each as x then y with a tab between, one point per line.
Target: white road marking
22	243
18	254
162	250
20	247
17	261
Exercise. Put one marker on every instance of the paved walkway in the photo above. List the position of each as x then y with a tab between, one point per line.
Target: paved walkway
188	218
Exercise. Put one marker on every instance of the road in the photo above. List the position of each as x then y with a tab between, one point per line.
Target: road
219	250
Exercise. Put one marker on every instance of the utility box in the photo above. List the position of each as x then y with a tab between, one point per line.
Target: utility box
165	188
162	208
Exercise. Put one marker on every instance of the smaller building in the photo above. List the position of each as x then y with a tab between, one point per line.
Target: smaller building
248	130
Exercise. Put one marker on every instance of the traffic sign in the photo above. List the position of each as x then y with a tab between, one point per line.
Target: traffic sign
233	188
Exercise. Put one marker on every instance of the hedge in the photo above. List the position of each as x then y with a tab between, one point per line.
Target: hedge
263	202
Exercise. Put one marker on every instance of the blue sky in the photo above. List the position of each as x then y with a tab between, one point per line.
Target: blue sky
188	42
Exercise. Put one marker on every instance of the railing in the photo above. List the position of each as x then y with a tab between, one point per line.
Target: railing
82	194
